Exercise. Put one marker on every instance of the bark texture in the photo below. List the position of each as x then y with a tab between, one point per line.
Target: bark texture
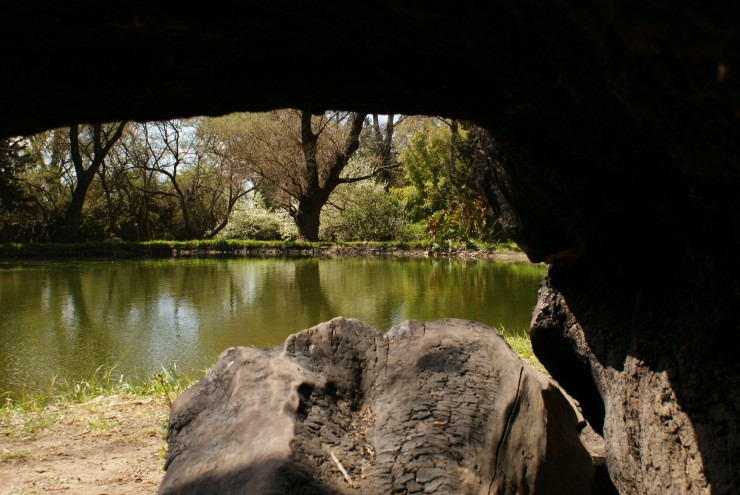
666	429
430	407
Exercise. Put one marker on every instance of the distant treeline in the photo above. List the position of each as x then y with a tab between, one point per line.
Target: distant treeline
281	175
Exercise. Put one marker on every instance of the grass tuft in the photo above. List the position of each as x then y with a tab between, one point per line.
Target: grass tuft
31	413
13	455
520	343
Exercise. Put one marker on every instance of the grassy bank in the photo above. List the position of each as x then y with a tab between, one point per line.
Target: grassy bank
26	412
223	247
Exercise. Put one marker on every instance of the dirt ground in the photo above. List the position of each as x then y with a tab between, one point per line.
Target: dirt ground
109	446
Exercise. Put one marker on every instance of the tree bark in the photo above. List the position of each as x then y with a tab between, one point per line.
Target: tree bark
384	148
307	219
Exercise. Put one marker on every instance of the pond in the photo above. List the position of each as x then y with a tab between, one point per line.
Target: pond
69	318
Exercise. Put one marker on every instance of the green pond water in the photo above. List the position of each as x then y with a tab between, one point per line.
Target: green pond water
69	318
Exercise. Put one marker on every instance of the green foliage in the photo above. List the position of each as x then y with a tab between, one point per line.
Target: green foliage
37	195
94	226
441	185
425	159
467	221
190	179
414	237
364	212
418	232
152	249
13	163
521	344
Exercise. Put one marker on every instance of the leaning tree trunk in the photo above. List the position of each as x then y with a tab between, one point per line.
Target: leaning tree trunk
73	217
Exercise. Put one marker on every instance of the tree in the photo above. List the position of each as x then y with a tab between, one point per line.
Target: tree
364	211
382	146
426	165
149	212
14	159
367	210
47	184
300	159
442	187
232	179
315	192
114	182
205	178
89	145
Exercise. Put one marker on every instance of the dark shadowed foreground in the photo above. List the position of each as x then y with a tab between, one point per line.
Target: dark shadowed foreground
429	407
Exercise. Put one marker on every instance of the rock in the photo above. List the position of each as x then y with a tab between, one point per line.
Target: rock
430	407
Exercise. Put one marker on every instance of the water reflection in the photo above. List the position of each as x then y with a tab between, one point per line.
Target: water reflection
70	318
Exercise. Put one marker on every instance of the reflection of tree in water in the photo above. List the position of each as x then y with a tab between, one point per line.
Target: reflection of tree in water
92	339
374	291
489	292
314	303
65	330
385	292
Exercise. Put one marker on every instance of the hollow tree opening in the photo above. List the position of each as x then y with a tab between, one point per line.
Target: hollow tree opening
611	137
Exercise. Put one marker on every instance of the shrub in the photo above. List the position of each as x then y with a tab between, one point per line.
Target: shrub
260	224
364	212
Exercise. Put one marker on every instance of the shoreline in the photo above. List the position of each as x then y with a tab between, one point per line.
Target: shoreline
351	252
239	249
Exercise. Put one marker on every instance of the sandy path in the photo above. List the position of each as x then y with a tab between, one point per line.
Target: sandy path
110	445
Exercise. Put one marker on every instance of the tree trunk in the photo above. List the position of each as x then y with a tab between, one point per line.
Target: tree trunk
453	148
112	215
307	220
73	217
384	148
7	232
187	225
431	407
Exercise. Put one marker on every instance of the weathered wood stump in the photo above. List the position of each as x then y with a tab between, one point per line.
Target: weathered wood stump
429	407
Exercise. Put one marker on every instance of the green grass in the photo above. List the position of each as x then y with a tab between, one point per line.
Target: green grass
102	425
36	411
168	383
520	343
9	455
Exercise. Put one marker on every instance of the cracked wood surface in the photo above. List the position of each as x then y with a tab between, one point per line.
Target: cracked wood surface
429	407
